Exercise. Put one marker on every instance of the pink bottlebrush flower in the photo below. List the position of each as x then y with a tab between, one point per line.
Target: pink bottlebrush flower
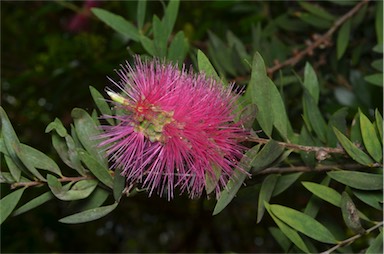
177	129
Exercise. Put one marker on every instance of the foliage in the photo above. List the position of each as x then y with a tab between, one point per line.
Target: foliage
311	83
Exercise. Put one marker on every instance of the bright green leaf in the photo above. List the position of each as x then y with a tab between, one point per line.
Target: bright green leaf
343	38
370	138
358	180
265	194
148	45
8	203
89	215
324	192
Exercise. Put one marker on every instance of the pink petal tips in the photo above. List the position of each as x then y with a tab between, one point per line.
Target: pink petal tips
175	129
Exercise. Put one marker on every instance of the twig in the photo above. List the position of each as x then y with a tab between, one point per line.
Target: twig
318	168
63	179
320	40
352	239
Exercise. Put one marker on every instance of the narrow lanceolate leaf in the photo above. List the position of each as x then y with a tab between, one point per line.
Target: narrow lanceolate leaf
270	152
39	159
58	126
118	23
350	214
96	199
372	198
303	223
355	153
343	38
80	190
370	138
160	38
324	192
89	215
313	205
284	182
88	134
118	185
179	48
206	66
358	180
288	231
313	115
379	124
170	16
376	246
43	198
235	183
101	104
311	82
98	170
8	203
265	194
141	7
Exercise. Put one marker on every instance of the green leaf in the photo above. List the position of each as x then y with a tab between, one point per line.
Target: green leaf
324	192
337	120
350	214
206	66
141	8
311	82
314	117
280	238
343	39
170	16
148	45
306	139
179	48
96	199
379	124
375	79
58	126
288	231
313	205
315	21
377	64
372	198
89	135
98	170
379	22
236	181
160	38
284	182
303	223
211	181
13	168
101	104
270	152
376	246
89	215
265	194
370	138
356	130
355	153
358	180
118	23
80	190
317	10
41	199
8	203
118	184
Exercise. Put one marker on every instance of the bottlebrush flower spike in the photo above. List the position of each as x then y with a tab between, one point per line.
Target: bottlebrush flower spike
177	129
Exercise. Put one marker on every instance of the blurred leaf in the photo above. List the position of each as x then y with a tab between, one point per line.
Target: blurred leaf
313	115
303	223
358	180
118	23
160	38
220	53
324	192
89	215
118	184
376	79
280	238
265	194
379	22
206	66
101	104
287	230
379	124
89	135
370	138
372	198
284	182
148	45
211	181
343	38
350	214
39	159
179	48
58	126
8	203
311	82
236	181
170	16
41	199
377	64
239	46
141	8
376	246
315	20
355	153
317	10
98	170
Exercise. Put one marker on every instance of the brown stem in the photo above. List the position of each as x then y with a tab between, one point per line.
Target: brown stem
319	40
318	168
63	179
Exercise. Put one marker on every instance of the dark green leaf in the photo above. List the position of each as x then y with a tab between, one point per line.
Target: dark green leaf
89	135
270	152
141	8
356	130
372	198
148	45
311	82
343	38
206	66
288	231
376	246
314	117
89	215
265	194
313	205
358	180
306	139
284	182
376	79
118	185
315	20
96	199
317	10
370	138
170	16
324	192
118	23
39	159
80	190
8	203
355	153
41	199
101	104
280	238
160	38
350	214
377	64
379	22
337	120
379	124
303	223
179	48
100	171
